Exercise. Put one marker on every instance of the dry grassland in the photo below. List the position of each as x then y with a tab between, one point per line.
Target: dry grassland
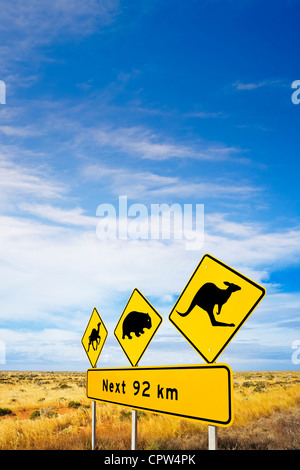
49	410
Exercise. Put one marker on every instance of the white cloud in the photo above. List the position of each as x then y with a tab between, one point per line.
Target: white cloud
71	217
206	114
218	223
44	346
133	184
17	179
206	190
238	85
28	26
44	20
148	145
25	131
48	269
257	252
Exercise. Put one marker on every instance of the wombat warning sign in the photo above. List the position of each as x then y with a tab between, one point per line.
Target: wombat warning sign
137	326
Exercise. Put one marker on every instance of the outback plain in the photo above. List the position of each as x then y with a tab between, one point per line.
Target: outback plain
50	411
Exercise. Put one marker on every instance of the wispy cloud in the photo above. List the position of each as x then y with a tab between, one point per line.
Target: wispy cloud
56	268
146	144
151	185
42	20
254	248
125	181
73	217
29	26
206	114
18	179
19	131
238	85
219	223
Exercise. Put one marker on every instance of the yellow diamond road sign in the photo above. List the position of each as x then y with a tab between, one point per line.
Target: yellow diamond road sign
213	306
94	337
137	326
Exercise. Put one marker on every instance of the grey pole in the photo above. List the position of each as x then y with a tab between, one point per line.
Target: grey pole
134	430
212	437
94	422
93	425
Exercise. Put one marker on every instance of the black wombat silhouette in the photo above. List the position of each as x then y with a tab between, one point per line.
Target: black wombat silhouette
94	336
210	295
135	322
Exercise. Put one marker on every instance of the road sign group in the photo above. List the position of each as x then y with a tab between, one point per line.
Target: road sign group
212	307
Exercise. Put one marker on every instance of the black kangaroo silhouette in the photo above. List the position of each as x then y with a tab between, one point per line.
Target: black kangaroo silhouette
94	336
210	295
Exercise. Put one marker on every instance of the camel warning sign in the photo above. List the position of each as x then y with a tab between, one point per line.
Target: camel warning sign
94	337
137	326
213	306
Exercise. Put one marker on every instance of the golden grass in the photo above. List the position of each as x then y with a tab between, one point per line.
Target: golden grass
262	395
266	415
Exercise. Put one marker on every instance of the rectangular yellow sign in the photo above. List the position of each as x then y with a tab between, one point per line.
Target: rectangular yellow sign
197	392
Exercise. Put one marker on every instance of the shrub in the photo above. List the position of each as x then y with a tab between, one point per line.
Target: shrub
125	415
248	383
260	387
64	385
128	415
5	411
35	414
48	413
74	404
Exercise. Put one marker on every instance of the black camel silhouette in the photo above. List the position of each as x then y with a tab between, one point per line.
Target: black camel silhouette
210	295
94	336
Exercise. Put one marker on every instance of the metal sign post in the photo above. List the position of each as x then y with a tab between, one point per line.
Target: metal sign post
134	430
212	437
93	425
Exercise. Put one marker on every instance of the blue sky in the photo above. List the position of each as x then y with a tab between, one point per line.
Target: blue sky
162	102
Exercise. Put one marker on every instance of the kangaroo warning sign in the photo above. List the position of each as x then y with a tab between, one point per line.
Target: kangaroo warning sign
198	392
94	337
137	326
213	306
